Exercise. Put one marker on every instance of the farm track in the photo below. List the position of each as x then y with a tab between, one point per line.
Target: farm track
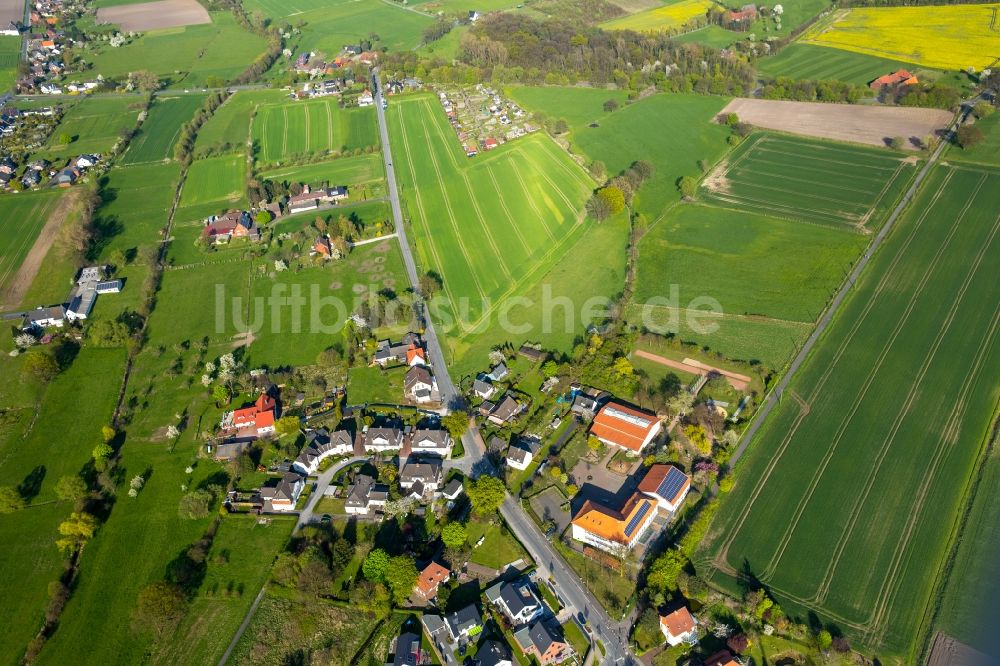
24	274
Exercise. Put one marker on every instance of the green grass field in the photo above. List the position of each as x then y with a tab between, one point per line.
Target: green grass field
446	48
486	224
139	199
795	14
185	56
215	180
10	50
813	181
362	170
24	216
822	63
94	124
373	384
158	134
730	256
713	35
230	124
311	127
329	24
847	500
985	152
672	132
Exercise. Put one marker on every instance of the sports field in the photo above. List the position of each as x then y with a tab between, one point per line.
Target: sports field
846	503
156	138
672	15
812	181
951	37
94	124
486	224
329	24
822	63
23	216
311	127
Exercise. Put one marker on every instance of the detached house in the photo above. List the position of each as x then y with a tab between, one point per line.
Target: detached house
483	388
39	318
382	439
410	351
430	579
302	202
234	224
543	642
320	445
900	77
366	98
364	496
609	529
667	485
282	494
464	623
625	426
679	627
493	653
503	412
421	478
420	386
522	452
325	248
434	442
517	601
256	420
407	652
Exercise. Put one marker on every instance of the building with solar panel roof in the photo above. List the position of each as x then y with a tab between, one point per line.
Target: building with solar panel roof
666	484
608	529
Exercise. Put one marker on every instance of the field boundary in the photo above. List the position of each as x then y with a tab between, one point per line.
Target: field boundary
13	295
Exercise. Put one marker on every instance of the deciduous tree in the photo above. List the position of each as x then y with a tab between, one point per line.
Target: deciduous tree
486	494
376	565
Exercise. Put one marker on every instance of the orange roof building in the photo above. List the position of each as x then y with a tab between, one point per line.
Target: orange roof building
415	355
666	484
625	426
679	627
608	529
257	418
430	578
899	77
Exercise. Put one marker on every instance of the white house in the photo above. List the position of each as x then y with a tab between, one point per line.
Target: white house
610	529
435	442
283	495
517	601
366	98
518	457
679	627
666	484
320	445
365	496
382	439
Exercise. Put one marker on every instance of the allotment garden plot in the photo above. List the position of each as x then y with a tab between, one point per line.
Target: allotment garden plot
311	127
810	181
847	501
487	224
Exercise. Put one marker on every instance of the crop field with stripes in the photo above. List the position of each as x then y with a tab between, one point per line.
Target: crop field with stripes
847	501
811	181
24	217
311	127
488	225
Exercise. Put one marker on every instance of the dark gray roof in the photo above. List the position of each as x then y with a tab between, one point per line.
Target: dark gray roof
464	619
429	470
453	488
542	636
517	454
492	653
430	438
407	652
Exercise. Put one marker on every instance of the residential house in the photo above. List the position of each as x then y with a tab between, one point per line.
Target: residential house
234	224
86	161
452	490
464	623
724	658
746	15
679	627
430	579
504	411
302	202
493	653
532	354
67	177
627	427
421	478
89	284
39	318
368	57
483	388
490	143
499	372
382	439
517	601
255	420
544	642
522	452
320	445
322	247
388	352
338	193
30	179
666	484
434	442
282	494
900	77
609	529
8	165
366	98
406	651
420	386
364	496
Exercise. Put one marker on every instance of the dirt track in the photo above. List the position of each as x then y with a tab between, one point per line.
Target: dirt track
12	296
874	125
737	381
154	15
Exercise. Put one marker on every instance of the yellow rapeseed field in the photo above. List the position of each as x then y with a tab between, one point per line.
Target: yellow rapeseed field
950	37
661	18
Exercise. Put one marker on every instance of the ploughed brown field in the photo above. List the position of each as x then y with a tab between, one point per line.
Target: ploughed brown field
154	15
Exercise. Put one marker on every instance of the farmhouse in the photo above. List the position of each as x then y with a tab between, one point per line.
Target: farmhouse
338	193
88	286
543	642
517	601
420	386
609	529
382	439
234	224
302	202
738	20
320	445
39	318
364	496
667	485
430	579
900	77
624	426
679	627
255	420
281	494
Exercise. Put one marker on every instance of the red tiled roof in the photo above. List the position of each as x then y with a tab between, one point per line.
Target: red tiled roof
679	622
606	522
623	425
650	483
433	575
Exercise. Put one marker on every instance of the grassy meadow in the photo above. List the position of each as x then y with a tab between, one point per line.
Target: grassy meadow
329	24
846	503
10	51
94	124
362	173
137	205
949	37
713	35
812	181
229	127
24	216
185	56
486	224
311	127
987	151
156	138
213	184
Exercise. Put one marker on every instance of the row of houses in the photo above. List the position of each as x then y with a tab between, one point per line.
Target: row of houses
322	444
46	44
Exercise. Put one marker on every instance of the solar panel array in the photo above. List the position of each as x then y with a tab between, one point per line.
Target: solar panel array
637	518
672	482
628	418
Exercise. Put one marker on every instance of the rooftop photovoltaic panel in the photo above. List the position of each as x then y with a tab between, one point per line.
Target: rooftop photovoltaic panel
637	518
624	416
671	483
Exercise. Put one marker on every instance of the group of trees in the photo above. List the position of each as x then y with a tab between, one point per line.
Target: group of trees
184	147
618	193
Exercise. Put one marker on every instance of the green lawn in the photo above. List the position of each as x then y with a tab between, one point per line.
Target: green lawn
579	107
672	132
184	56
812	181
847	499
729	256
985	152
488	225
190	295
713	35
314	127
822	63
138	200
796	12
363	172
611	589
500	547
229	127
576	639
446	48
24	216
372	384
330	24
94	125
158	134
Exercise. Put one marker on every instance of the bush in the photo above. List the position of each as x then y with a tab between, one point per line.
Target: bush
968	136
